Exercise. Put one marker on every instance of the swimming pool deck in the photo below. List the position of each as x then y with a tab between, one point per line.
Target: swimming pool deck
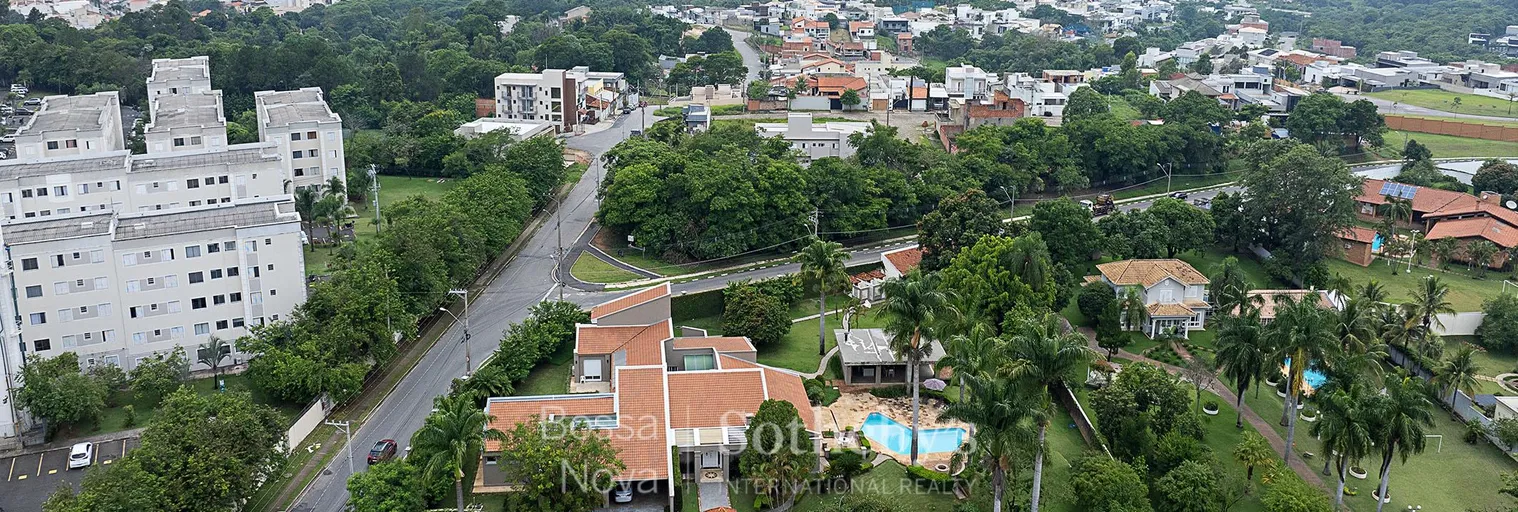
851	409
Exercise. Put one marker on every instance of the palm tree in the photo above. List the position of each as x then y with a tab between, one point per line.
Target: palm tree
453	437
212	353
1374	292
1253	451
1003	413
1355	325
1134	311
1044	357
1397	208
1303	333
335	188
1443	250
1344	425
970	354
1402	419
1242	355
305	205
915	307
1229	286
1479	253
824	263
1458	373
1429	301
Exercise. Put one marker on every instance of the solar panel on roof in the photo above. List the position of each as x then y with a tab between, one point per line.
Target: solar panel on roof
1388	188
1398	190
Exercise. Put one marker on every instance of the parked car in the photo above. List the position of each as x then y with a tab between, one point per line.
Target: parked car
1180	195
19	89
8	138
23	112
382	451
1202	201
81	455
627	110
32	102
622	494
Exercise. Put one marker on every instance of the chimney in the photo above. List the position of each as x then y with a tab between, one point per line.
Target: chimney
1490	197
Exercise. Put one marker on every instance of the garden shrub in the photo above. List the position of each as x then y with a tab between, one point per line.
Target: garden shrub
1094	298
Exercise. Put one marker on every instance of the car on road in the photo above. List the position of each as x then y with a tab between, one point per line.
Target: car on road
627	110
1180	195
32	102
1203	201
382	451
622	494
81	455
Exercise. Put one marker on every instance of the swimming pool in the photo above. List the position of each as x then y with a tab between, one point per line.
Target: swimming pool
1375	245
896	437
1313	377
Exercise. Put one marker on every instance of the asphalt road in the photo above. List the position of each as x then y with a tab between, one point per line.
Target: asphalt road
27	480
1393	107
750	56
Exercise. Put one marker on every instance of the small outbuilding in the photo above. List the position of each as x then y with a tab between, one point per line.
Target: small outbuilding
868	359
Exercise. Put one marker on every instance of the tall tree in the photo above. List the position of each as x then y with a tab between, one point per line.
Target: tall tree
389	487
1285	176
1346	416
451	440
53	389
1002	277
1047	358
1302	333
1085	103
212	353
956	224
779	455
1187	227
1458	372
1403	417
1430	300
914	308
823	262
1067	229
1254	452
1004	415
1243	355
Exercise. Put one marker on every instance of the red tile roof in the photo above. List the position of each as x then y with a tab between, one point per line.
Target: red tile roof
1489	228
1425	199
640	438
837	84
644	344
1359	234
905	260
1150	272
714	398
867	276
854	26
628	301
505	414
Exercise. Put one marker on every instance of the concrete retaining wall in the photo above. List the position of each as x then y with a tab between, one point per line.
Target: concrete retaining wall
307	422
1459	324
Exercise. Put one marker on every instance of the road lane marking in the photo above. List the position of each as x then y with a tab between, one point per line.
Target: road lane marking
106	462
52	471
22	477
12	472
40	456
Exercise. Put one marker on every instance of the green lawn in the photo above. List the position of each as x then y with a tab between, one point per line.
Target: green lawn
1465	293
1120	108
1491	363
1445	101
1446	146
111	419
889	479
798	350
392	190
1208	260
550	377
1472	121
591	269
1468	476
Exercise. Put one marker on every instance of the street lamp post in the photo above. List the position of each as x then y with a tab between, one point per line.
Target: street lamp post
468	361
348	431
1169	169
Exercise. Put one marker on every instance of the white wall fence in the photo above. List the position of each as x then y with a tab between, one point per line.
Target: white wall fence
307	422
1458	324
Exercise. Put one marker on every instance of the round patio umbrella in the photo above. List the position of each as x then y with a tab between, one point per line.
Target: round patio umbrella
935	384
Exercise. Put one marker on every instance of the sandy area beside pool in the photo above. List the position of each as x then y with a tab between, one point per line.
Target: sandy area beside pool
851	409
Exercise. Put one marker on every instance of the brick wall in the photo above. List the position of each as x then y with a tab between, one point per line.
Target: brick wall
1455	128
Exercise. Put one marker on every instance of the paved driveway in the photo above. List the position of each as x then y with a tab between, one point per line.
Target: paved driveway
27	480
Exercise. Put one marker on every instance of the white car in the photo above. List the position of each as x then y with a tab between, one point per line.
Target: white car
622	494
8	138
81	455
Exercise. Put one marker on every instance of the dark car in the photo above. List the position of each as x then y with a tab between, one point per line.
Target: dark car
23	112
1180	195
382	451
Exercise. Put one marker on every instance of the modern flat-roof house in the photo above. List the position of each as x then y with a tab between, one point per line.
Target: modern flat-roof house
819	140
564	97
867	357
1174	292
662	400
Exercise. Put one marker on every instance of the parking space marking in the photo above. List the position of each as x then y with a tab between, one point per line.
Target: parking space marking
12	471
22	477
52	471
40	456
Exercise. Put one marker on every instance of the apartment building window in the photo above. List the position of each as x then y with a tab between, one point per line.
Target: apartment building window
271	267
268	241
178	141
295	135
554	92
311	135
195	140
34	291
312	153
297	154
192	183
221	324
299	172
229	246
232	271
26	193
42	344
192	251
255	298
221	179
253	271
57	260
39	318
42	192
213	247
237	322
217	300
202	329
273	292
61	190
29	264
234	297
52	144
194	203
215	273
197	277
198	303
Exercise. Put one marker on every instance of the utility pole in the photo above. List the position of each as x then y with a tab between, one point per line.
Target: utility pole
1169	169
1011	202
816	219
347	431
468	361
374	191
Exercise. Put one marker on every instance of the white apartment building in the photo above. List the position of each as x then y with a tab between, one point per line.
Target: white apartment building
563	97
116	256
1041	98
966	81
72	125
304	127
820	140
180	76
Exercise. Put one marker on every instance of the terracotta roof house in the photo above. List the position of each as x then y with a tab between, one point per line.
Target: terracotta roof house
1444	213
1173	291
661	399
893	264
1359	245
1268	300
832	86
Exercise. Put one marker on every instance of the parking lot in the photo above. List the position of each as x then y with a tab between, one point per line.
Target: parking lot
29	479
